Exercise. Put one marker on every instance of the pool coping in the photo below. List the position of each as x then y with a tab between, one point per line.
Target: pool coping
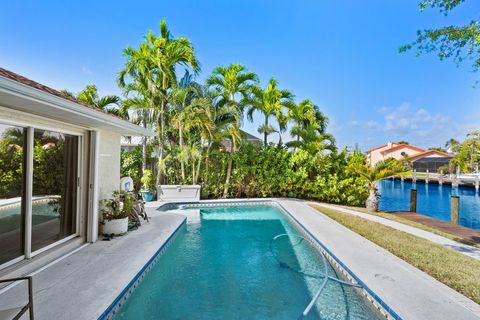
373	298
129	288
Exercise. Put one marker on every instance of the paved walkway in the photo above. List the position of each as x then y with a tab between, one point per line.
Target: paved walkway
411	293
454	229
448	243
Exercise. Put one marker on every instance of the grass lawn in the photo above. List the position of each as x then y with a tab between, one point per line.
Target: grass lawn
456	270
392	216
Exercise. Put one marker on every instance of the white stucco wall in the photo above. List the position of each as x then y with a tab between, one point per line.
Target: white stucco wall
108	164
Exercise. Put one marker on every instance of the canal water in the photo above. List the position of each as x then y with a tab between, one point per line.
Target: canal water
433	200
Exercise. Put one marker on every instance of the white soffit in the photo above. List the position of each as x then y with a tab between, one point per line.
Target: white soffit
21	97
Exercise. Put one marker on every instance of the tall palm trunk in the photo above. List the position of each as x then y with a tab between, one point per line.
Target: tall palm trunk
161	149
197	173
144	148
229	172
207	162
372	200
265	133
193	171
182	164
144	154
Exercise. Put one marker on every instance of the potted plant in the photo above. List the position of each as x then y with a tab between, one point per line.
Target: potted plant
115	212
146	191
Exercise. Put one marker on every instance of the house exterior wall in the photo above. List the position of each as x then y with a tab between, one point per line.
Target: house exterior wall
375	155
397	154
380	154
108	164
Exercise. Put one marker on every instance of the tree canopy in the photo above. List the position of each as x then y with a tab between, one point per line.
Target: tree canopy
456	42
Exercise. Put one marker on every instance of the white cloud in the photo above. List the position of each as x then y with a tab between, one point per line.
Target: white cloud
414	124
87	70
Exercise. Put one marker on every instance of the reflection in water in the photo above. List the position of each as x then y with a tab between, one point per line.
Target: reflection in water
432	200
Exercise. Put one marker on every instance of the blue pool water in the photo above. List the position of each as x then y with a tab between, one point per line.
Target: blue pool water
433	200
224	265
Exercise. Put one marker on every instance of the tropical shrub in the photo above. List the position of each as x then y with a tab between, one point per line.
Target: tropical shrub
147	180
119	206
275	171
131	164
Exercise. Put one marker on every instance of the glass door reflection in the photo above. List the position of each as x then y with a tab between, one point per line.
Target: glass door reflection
12	153
54	202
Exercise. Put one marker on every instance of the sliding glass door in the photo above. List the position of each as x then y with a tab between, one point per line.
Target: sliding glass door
12	154
39	198
54	196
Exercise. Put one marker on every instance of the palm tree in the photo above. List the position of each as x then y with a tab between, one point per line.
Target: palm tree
452	144
234	86
180	98
154	65
192	113
308	139
271	102
309	128
89	95
382	170
308	114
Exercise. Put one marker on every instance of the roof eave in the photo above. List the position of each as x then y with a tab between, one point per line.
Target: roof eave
119	125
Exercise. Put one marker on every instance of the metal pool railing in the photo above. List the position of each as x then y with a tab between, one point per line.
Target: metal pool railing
29	305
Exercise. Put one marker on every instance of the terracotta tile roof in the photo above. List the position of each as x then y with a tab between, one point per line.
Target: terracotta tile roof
400	146
426	152
382	146
21	79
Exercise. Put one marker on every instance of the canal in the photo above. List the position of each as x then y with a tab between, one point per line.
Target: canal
433	200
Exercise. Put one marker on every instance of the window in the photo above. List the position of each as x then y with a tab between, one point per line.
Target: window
54	198
12	152
43	195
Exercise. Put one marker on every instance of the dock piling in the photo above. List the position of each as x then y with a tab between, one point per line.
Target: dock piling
413	200
454	209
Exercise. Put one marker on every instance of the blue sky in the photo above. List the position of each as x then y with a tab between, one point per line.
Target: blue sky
341	54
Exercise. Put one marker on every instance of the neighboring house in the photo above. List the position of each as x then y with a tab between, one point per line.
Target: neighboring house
422	160
391	150
248	137
58	158
430	160
130	143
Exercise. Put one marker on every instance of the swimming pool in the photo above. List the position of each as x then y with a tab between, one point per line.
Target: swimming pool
226	263
433	200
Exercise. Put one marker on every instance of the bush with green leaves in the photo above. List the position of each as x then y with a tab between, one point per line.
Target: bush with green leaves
275	171
131	164
120	206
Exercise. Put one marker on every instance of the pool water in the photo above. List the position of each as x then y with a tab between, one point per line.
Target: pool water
433	200
224	265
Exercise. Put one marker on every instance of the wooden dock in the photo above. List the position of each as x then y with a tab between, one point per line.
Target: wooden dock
456	230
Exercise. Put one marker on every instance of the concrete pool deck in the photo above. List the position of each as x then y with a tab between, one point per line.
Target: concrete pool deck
465	249
84	284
